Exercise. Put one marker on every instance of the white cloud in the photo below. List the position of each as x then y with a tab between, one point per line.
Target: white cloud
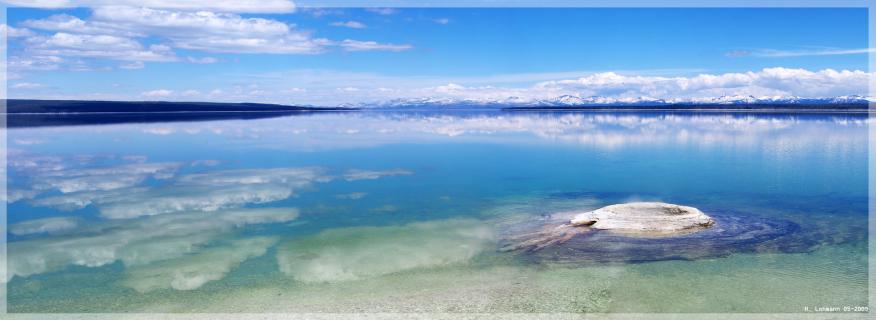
442	21
355	45
114	32
600	86
188	24
205	163
71	24
46	225
209	31
11	32
133	65
321	12
295	90
190	93
13	195
26	86
352	196
357	253
97	46
766	82
772	53
157	93
383	11
348	89
357	174
190	272
34	62
241	6
349	24
202	60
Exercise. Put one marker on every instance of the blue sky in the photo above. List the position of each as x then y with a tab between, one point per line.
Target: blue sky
341	55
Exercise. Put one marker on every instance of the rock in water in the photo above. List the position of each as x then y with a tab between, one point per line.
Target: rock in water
648	219
637	219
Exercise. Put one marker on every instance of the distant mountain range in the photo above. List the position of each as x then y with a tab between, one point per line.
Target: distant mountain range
569	101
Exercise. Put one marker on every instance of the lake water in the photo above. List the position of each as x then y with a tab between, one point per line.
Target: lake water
406	212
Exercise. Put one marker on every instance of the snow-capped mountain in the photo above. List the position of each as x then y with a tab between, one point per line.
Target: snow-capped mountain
599	101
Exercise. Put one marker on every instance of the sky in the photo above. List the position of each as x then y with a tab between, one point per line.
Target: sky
273	51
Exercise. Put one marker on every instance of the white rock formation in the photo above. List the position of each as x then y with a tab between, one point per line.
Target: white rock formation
645	219
637	219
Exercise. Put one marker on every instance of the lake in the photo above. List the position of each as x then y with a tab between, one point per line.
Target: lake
408	212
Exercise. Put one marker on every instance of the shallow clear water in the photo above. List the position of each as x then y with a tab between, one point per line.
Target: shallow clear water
383	212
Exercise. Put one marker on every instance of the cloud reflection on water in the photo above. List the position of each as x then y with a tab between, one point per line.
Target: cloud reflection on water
600	130
134	242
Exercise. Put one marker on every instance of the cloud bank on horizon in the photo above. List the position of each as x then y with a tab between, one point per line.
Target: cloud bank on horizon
275	52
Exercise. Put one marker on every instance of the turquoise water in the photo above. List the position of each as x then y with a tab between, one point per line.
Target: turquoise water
387	212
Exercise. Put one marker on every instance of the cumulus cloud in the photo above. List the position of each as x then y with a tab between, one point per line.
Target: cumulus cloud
26	85
241	6
116	31
46	225
349	24
134	243
13	194
11	32
190	272
356	253
34	63
769	82
357	174
97	46
159	93
355	45
72	24
611	87
210	31
202	60
332	88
